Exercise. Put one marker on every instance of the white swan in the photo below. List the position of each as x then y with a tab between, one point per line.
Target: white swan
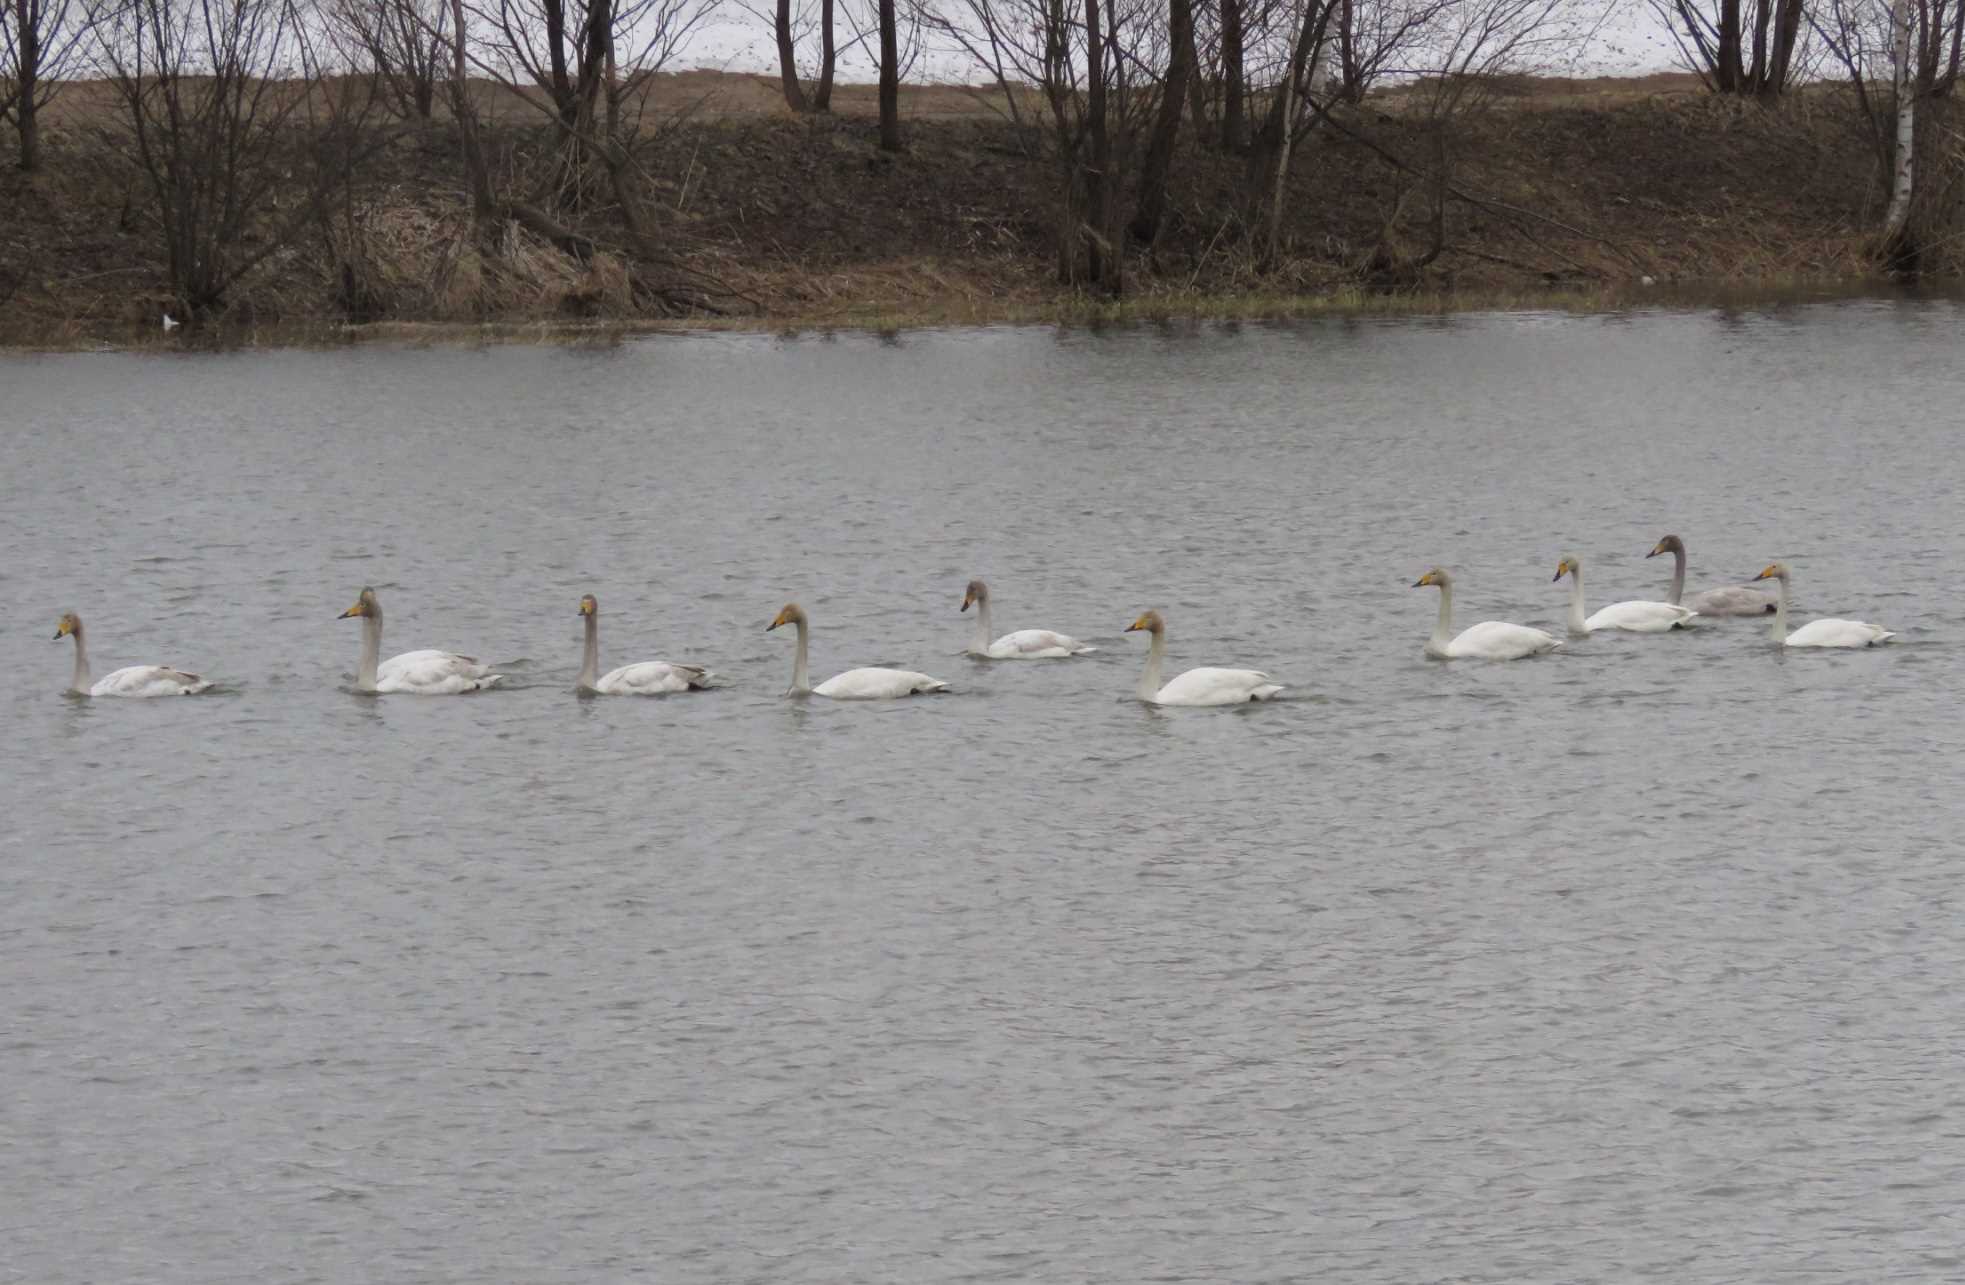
645	678
867	684
1637	617
1489	640
1197	686
419	673
1726	600
1818	633
136	680
1024	644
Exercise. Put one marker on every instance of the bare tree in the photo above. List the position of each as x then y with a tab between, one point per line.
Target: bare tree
41	43
890	79
1744	47
406	42
790	25
589	57
226	104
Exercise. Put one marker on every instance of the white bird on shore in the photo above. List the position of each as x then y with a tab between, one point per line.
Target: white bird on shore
170	323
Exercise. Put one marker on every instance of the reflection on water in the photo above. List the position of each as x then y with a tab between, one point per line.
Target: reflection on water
1637	959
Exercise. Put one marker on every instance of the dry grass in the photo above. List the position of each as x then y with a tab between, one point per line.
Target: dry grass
1583	189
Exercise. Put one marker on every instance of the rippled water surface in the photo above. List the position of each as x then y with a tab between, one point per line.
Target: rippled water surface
1637	961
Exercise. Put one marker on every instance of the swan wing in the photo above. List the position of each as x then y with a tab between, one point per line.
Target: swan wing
653	678
1641	617
1838	633
149	680
433	673
1036	644
1208	686
1732	600
873	683
1498	640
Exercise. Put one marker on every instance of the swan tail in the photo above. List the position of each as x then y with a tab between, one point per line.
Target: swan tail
1265	692
1082	650
488	682
1884	636
932	685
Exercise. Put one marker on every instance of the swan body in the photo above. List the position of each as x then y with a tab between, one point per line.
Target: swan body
1726	600
1636	617
1489	640
1204	686
141	681
867	684
643	678
417	673
1829	632
1024	644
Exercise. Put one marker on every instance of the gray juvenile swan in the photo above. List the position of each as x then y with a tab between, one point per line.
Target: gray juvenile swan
1726	600
1024	644
419	673
644	678
136	680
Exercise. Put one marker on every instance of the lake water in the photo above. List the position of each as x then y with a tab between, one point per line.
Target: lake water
1637	961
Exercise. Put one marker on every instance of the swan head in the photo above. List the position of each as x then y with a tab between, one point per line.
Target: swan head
793	614
589	605
365	605
1151	622
978	593
1670	544
1437	576
70	623
1774	571
1568	567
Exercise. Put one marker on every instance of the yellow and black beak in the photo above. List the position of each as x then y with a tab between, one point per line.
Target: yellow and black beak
1766	574
1137	624
967	598
357	610
1424	580
1655	552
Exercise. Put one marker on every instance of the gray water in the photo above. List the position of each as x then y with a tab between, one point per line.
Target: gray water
1637	961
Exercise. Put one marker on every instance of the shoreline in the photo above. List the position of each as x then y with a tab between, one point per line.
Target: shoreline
1068	311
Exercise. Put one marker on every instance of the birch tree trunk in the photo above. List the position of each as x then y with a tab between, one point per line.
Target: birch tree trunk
1896	223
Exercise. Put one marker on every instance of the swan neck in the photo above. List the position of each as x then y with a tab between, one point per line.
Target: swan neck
1779	630
1149	679
371	650
1443	627
590	657
982	626
1576	625
801	678
1678	577
80	682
